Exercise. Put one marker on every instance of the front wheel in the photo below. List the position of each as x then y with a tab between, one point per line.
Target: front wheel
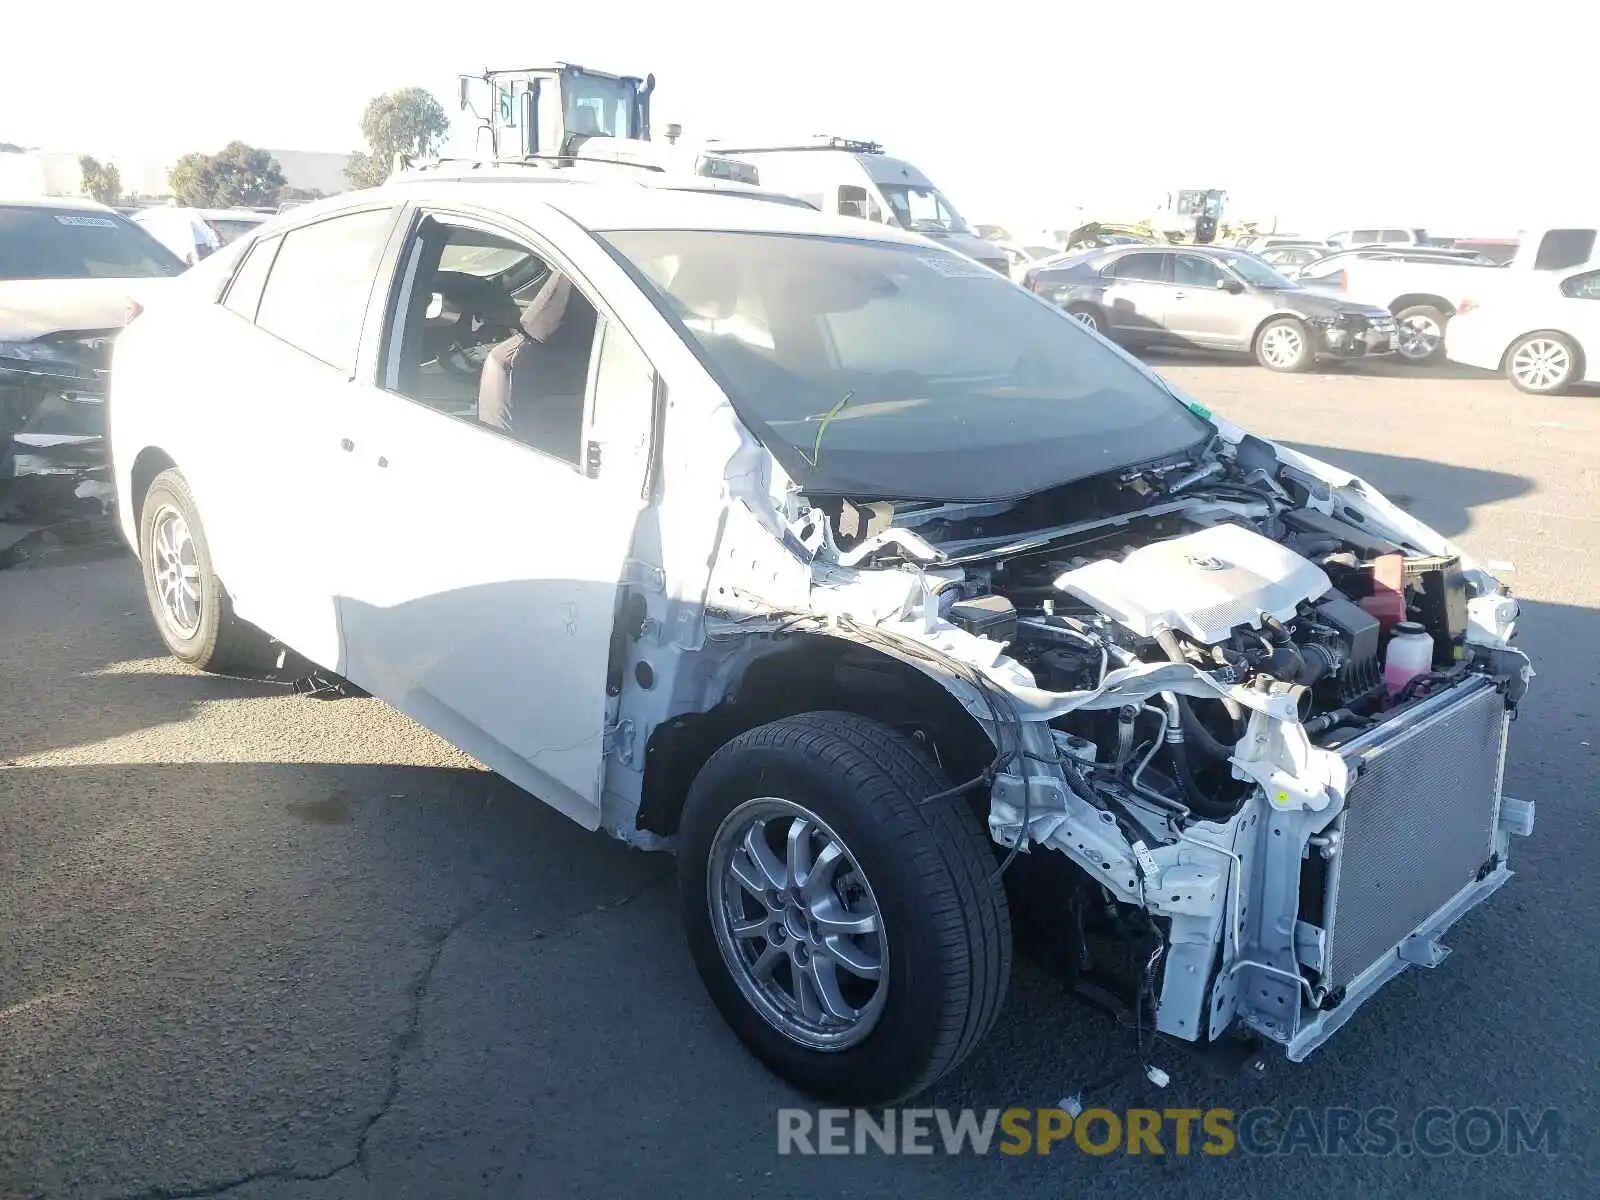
1543	364
851	930
191	608
1421	333
1284	344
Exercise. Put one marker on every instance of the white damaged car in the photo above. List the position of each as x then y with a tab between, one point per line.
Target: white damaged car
902	607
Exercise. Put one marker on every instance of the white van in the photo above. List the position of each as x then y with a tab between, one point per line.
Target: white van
857	179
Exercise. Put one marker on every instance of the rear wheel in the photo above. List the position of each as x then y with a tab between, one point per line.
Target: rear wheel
192	611
1420	333
851	931
1088	316
1544	364
1284	344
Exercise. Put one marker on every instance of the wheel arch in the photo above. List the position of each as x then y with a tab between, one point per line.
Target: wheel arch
147	464
811	673
1426	299
1278	315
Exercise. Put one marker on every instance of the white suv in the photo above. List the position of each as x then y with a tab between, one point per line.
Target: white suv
851	571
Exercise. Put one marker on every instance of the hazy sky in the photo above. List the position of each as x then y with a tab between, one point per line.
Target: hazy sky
1326	113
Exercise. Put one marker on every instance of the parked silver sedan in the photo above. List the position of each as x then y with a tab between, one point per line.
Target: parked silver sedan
1215	298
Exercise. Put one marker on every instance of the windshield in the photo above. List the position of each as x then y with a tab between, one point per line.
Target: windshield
903	372
1254	272
74	243
595	107
922	208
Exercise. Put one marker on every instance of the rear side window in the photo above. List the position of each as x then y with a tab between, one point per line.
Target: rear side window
1136	266
1362	236
317	292
244	293
1582	287
1563	248
71	243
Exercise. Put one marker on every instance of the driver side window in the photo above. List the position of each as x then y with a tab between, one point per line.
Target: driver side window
1192	271
489	332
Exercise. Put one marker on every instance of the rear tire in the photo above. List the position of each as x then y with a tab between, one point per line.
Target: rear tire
1543	364
191	608
1284	344
938	954
1419	338
1089	317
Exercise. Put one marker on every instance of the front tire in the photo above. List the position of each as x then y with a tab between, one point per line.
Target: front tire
1543	364
191	608
852	932
1284	344
1420	337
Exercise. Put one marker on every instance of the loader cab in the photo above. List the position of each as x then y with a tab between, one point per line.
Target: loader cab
551	111
564	115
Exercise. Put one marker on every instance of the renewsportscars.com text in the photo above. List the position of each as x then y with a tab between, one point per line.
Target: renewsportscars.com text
1375	1132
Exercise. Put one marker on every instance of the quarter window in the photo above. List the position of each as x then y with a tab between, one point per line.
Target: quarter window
317	292
244	293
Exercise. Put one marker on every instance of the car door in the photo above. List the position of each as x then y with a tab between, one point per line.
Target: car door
1134	294
487	563
1200	309
282	360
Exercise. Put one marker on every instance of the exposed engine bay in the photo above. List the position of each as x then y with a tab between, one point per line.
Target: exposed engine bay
1190	670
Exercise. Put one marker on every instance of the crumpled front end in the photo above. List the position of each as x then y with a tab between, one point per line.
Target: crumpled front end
1258	711
53	458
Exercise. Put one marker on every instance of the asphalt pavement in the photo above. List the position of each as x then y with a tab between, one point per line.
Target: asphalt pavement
260	945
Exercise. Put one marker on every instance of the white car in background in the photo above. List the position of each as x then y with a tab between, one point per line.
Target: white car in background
1021	256
195	233
1545	336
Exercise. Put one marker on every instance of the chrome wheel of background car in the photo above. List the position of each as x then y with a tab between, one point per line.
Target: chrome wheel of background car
1282	346
1420	336
797	923
1541	364
177	571
1085	317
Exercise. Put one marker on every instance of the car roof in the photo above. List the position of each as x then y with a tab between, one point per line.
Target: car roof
605	205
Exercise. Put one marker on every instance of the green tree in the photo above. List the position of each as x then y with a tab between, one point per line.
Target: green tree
102	181
237	176
408	121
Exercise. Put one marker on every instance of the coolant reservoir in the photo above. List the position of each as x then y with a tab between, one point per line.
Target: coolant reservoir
1410	654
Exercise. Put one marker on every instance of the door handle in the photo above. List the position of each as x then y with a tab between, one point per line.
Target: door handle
346	444
1179	295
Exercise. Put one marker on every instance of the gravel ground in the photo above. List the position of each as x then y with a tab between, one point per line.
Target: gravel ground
260	945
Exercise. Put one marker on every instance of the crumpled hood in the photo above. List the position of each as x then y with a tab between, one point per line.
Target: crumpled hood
1323	304
35	308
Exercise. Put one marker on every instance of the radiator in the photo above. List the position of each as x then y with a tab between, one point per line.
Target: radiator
1418	824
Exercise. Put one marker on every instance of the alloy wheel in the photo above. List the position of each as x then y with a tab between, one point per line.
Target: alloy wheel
797	923
1541	364
176	570
1282	346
